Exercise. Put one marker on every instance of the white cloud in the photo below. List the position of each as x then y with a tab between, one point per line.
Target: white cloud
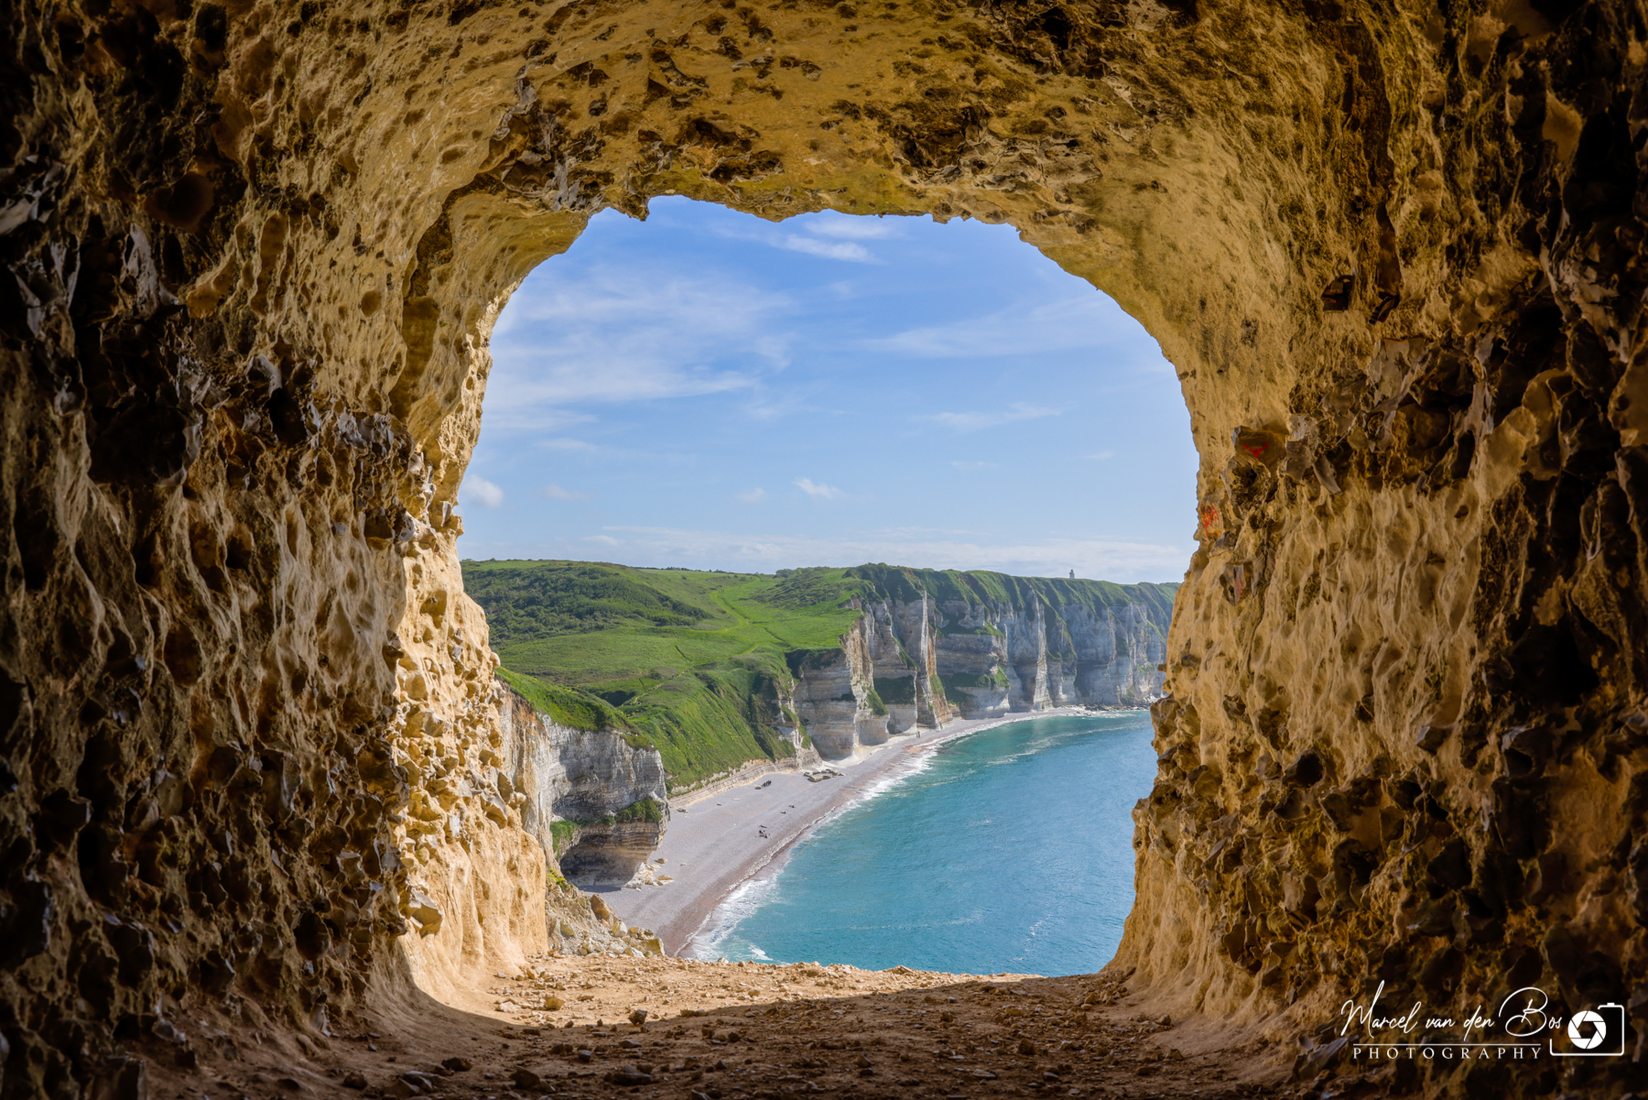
1102	456
847	227
1082	321
829	237
604	376
583	450
488	494
974	421
763	409
817	490
556	492
753	496
498	419
622	334
789	397
972	464
1100	558
849	251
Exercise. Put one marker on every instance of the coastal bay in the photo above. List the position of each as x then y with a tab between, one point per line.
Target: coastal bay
850	869
715	843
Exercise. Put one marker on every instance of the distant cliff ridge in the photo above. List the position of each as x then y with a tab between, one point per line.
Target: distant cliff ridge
930	646
725	672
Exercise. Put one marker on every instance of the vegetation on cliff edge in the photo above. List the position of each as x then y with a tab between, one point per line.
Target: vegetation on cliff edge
694	662
689	662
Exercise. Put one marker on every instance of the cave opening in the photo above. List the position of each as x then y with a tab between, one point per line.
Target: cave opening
259	795
701	431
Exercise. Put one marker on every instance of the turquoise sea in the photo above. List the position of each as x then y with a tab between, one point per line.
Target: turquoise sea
1005	850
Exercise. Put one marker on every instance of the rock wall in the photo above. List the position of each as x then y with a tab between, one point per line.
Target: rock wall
588	780
918	660
254	252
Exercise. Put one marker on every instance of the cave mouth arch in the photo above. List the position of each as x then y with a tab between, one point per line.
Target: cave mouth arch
1391	252
644	381
1125	186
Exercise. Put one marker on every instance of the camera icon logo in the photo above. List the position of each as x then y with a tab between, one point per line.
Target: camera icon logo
1594	1033
1587	1030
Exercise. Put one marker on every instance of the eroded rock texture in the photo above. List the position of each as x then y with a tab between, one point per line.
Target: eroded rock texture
984	645
607	798
255	248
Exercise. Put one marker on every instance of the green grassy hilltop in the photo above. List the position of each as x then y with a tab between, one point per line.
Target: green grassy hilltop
678	659
686	660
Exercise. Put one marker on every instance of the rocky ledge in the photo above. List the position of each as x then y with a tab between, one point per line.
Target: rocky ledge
596	803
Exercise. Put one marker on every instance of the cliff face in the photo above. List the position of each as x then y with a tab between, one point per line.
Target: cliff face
596	804
978	646
1395	250
730	673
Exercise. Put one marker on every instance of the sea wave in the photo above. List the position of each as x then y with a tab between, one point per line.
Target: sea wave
714	937
720	936
894	777
748	896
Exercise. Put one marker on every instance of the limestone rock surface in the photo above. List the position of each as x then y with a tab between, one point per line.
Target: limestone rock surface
587	780
919	661
254	251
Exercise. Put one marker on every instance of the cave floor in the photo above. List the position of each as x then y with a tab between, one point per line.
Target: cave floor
718	1031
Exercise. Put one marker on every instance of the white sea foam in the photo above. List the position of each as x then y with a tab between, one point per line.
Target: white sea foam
746	898
890	780
711	940
894	777
715	938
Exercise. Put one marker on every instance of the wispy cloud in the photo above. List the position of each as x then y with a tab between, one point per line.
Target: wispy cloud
846	227
753	496
970	465
497	418
1101	456
488	494
850	251
828	236
557	492
816	489
763	408
622	334
1110	559
807	396
586	452
974	421
1081	321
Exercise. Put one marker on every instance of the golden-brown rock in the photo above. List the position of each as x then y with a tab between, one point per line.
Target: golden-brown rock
255	249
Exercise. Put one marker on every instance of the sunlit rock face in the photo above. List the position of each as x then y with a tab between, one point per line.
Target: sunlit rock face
587	780
1394	251
918	661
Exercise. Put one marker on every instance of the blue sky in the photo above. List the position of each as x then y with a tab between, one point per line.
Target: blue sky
707	389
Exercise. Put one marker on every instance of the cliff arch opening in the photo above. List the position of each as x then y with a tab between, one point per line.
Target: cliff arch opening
252	745
733	419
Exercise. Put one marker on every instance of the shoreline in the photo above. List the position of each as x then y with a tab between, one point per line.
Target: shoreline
745	832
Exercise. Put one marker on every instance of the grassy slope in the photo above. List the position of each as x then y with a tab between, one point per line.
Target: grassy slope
685	660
